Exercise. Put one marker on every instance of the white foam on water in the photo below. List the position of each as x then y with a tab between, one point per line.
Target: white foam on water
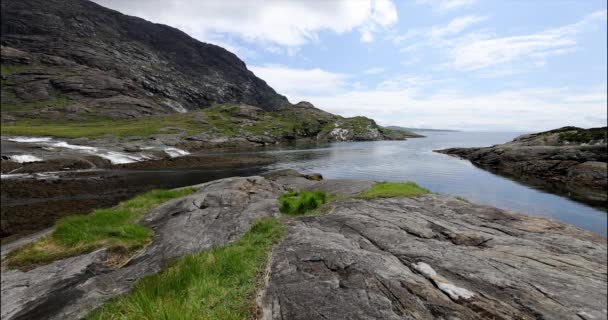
30	139
175	152
63	144
114	156
14	175
122	158
22	158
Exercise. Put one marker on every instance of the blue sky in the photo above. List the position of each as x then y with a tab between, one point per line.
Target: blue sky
458	64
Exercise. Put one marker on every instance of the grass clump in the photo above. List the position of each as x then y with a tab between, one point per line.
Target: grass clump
301	202
116	228
463	199
10	69
216	284
393	189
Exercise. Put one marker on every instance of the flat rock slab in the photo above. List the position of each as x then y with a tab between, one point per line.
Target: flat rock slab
434	257
219	213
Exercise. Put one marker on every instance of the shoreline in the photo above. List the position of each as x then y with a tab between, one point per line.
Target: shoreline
352	241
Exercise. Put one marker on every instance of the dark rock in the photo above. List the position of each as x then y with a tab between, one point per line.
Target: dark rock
86	51
550	160
314	176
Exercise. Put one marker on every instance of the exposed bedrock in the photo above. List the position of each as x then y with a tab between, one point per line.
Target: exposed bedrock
220	212
434	257
428	257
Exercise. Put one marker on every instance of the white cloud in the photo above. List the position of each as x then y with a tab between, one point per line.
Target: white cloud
457	25
447	5
383	14
283	23
400	101
488	52
297	84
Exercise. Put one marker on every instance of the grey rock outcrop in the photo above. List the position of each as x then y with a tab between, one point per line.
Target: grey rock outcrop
428	257
434	257
69	289
570	161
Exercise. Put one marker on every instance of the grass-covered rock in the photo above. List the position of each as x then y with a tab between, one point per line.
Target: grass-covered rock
393	189
214	284
301	202
116	228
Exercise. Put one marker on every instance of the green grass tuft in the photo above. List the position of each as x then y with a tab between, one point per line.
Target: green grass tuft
301	202
216	284
463	199
115	228
393	189
10	69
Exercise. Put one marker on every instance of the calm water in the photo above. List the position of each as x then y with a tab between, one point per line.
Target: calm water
412	160
415	160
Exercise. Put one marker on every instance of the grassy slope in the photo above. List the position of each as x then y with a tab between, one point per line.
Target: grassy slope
221	120
215	284
116	228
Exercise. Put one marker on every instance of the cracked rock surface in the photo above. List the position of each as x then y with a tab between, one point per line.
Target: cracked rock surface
434	257
428	257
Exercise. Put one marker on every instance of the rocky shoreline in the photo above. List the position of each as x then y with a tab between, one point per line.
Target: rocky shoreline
426	257
569	161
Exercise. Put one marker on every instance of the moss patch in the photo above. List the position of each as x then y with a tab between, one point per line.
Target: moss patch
215	284
583	135
393	189
10	69
301	202
116	228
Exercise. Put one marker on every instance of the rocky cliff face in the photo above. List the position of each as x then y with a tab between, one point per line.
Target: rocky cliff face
65	63
569	160
78	57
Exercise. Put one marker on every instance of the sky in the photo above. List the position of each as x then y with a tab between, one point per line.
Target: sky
503	65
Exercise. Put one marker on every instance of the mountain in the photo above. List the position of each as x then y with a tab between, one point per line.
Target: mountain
117	65
72	68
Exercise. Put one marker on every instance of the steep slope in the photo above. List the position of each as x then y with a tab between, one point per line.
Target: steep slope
78	57
74	69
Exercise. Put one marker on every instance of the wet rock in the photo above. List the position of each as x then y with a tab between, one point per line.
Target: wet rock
314	176
577	169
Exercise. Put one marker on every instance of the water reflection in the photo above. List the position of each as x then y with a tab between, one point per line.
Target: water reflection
415	160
